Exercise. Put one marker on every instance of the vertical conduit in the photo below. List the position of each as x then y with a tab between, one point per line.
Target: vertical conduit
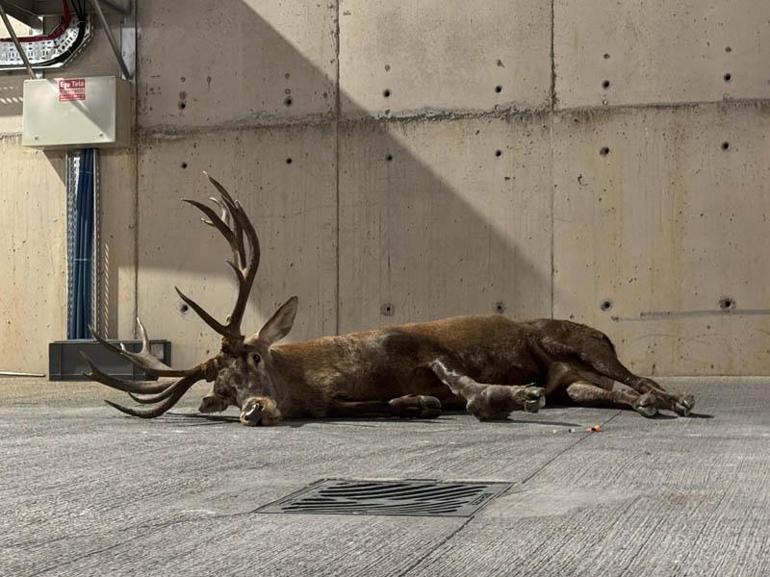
81	200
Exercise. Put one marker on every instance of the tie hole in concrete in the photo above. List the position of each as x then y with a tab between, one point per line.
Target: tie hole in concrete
727	303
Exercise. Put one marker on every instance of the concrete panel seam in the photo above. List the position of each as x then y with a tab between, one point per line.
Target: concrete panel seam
167	132
554	99
551	211
429	113
734	102
137	66
662	315
171	132
337	115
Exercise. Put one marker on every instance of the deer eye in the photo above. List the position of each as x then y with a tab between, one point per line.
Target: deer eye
256	358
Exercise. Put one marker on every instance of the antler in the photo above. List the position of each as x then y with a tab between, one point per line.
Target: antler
237	229
245	260
168	392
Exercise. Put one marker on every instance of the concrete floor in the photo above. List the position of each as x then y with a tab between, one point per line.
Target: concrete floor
88	491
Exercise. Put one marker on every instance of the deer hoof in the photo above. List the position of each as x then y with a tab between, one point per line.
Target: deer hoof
646	405
535	399
212	404
684	405
251	414
416	406
430	407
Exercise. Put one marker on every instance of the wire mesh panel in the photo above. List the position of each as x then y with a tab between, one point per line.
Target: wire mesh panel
53	49
407	497
73	168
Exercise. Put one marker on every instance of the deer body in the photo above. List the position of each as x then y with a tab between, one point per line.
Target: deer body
383	364
489	365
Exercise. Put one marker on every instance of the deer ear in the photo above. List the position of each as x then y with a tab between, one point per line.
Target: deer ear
280	323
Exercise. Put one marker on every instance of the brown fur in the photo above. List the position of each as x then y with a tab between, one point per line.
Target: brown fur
361	372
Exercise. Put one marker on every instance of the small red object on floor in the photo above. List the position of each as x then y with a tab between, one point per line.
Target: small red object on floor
595	429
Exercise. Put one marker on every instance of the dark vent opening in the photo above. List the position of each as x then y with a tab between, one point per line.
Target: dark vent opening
409	497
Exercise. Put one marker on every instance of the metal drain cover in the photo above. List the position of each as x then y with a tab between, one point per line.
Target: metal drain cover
408	497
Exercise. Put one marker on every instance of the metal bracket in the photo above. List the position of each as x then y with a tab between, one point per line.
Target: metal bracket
108	31
128	38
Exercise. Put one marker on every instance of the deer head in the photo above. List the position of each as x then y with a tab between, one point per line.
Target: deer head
242	369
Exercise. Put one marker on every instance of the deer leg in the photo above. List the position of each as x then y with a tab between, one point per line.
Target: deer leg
212	403
589	395
584	387
561	374
419	406
413	406
611	367
485	401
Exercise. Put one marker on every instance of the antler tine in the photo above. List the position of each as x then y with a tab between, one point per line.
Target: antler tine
207	318
221	189
152	399
214	220
126	386
221	222
145	338
168	392
225	216
232	206
245	225
144	360
177	390
244	263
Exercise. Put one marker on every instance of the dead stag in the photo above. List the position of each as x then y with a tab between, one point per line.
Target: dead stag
489	365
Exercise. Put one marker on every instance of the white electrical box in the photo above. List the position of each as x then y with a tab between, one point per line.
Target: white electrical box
76	112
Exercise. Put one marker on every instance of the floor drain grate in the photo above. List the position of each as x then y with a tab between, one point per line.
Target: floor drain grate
408	497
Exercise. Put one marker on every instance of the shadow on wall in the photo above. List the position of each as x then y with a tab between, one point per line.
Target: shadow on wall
435	217
369	220
10	94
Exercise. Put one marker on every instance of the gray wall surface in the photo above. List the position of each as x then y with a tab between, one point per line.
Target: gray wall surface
604	162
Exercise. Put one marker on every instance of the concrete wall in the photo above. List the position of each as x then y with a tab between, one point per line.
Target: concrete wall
33	218
601	162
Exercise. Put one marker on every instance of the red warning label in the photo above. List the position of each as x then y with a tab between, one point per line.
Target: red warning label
72	89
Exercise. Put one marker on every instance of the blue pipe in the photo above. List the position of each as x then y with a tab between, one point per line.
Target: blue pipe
82	269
